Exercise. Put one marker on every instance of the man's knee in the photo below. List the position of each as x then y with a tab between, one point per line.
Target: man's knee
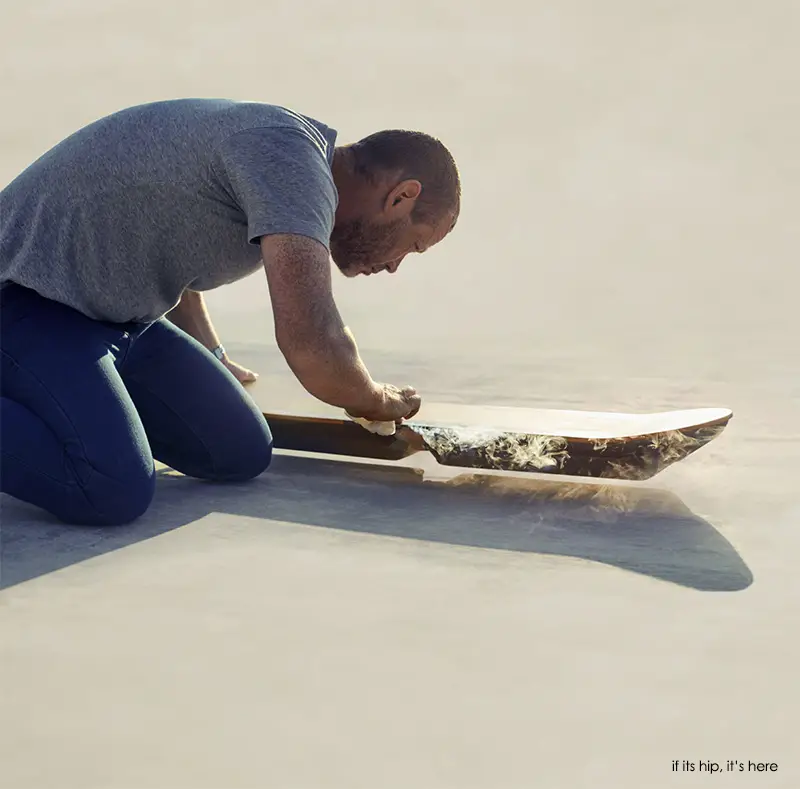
250	458
116	503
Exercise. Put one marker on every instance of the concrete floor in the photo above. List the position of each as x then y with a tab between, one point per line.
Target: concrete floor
628	241
345	625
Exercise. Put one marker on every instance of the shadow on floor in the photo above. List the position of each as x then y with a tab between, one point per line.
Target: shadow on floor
644	530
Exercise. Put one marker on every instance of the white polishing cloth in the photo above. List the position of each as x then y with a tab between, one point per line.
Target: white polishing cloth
381	428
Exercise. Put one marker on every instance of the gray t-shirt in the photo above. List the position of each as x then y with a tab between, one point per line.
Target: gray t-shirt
122	216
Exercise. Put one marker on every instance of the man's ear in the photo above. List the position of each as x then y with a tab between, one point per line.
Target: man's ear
402	198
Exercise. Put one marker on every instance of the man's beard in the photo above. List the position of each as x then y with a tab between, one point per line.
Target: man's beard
359	245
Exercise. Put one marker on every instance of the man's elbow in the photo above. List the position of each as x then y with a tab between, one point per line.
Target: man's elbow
308	353
298	351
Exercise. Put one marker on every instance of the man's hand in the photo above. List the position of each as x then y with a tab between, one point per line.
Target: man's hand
242	374
395	405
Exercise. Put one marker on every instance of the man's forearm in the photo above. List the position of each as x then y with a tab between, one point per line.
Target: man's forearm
192	316
317	346
334	372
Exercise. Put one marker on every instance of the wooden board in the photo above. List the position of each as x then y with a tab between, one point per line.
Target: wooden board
578	443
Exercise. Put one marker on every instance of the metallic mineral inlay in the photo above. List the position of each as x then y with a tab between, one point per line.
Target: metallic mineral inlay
496	449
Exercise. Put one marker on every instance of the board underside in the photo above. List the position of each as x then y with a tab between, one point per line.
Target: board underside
575	443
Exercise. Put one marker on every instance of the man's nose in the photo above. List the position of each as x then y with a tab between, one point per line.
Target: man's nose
394	265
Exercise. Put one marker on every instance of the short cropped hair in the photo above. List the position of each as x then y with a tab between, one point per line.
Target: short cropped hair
414	155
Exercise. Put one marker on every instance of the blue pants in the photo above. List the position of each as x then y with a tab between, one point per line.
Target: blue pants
87	405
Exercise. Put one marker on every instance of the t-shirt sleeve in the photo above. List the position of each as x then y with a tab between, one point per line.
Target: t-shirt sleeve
281	180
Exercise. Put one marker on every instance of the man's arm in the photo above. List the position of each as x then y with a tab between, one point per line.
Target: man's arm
191	315
309	331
